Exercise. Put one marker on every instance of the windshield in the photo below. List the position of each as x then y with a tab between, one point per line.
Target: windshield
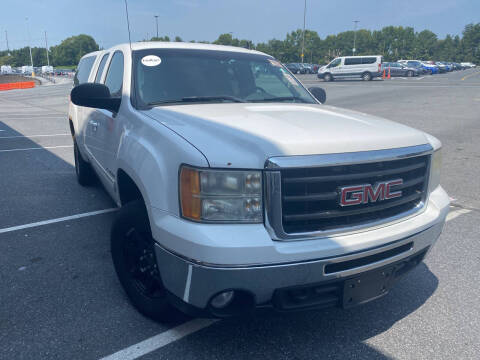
172	76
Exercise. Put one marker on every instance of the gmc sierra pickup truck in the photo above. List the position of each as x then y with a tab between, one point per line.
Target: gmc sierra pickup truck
237	188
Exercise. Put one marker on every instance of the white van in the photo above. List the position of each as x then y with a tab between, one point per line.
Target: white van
5	69
47	69
364	67
26	69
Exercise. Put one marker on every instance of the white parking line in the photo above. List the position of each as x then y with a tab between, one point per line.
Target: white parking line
53	221
38	148
31	136
160	340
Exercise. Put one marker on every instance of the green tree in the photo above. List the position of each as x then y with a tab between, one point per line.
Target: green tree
426	42
471	43
160	38
70	50
225	39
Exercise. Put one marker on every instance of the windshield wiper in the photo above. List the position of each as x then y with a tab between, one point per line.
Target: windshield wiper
281	98
191	99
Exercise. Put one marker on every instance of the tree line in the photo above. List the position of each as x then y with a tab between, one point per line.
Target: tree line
393	42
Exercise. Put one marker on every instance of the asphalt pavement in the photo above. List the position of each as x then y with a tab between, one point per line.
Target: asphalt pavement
60	298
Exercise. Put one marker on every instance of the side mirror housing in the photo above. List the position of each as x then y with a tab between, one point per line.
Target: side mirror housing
319	94
94	96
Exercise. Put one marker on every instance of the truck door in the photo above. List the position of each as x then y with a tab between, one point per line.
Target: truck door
103	124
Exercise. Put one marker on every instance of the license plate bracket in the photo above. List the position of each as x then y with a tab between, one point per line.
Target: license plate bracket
368	286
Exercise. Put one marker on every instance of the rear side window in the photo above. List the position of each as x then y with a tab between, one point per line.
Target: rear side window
369	60
114	79
100	68
353	61
83	70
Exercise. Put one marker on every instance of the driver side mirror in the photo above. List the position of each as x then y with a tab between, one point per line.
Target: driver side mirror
319	94
94	96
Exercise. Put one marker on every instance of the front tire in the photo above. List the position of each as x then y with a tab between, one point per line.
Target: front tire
327	77
133	255
83	170
410	73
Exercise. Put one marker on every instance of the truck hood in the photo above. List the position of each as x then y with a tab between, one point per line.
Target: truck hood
245	135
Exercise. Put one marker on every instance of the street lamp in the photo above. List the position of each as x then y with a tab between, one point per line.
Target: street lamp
29	47
355	36
156	20
303	40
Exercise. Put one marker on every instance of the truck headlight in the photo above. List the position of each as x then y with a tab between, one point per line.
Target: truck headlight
435	169
209	195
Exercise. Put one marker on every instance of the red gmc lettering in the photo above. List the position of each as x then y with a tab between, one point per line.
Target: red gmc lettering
355	199
391	195
369	194
358	194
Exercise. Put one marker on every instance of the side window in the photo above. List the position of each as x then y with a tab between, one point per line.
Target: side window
100	68
334	63
369	60
114	79
353	61
83	70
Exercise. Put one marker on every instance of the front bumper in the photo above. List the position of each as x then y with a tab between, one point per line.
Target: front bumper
192	285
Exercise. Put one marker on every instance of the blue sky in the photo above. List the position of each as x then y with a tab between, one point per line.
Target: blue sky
258	20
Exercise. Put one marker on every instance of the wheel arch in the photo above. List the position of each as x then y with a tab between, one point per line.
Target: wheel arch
127	188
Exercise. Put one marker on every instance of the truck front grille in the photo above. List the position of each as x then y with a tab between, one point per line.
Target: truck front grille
310	197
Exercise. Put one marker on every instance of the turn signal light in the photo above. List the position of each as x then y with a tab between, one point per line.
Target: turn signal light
190	193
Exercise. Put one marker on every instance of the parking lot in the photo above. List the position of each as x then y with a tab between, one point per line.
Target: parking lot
60	297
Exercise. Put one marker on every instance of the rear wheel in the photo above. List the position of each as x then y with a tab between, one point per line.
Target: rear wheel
410	73
133	254
83	170
327	77
366	76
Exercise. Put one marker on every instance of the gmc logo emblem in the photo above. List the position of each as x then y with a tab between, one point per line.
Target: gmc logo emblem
363	194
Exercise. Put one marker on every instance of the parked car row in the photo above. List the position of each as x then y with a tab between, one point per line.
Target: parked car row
28	70
299	68
435	67
372	66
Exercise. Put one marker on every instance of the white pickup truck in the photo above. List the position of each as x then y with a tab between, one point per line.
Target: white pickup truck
238	189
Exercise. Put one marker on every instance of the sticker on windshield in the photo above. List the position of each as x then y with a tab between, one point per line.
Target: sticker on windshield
151	60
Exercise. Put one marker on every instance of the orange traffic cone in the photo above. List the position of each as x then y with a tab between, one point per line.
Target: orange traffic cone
383	75
388	77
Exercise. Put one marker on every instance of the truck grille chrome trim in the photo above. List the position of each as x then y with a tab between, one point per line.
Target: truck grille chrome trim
302	192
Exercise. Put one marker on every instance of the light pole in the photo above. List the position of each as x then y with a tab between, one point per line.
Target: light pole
355	36
156	20
6	39
29	47
303	40
46	48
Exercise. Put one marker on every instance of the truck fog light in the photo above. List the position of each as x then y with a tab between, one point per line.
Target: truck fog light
222	300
